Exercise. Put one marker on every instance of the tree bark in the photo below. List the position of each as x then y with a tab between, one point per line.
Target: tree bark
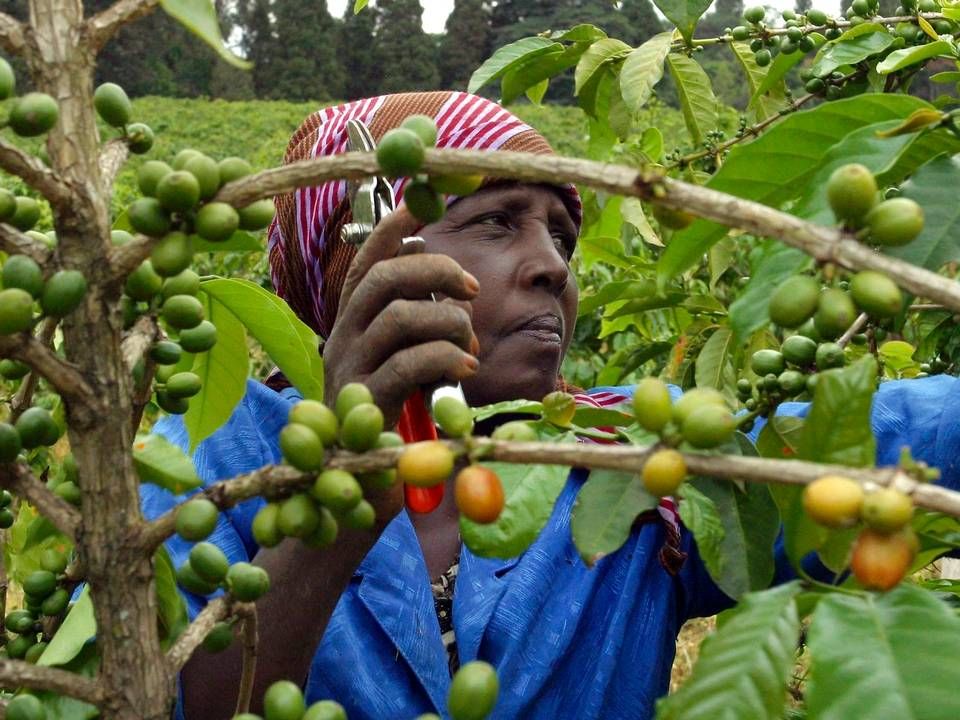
134	675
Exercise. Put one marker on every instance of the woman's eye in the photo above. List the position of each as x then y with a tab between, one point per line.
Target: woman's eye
563	244
491	219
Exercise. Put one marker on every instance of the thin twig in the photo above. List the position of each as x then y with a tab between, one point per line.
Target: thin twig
37	175
11	34
104	25
918	307
18	479
28	386
747	133
113	155
63	376
124	259
17	673
138	340
14	242
249	667
827	244
681	46
857	325
191	638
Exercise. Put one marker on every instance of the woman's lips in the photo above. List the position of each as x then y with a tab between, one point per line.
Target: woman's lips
547	328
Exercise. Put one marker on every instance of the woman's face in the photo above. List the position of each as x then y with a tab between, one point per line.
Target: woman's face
517	241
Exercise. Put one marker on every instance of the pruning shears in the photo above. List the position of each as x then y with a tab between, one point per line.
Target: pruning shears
371	200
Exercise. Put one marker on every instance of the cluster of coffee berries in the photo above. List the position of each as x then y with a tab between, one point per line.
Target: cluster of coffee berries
34	428
701	418
400	153
32	114
207	568
795	35
114	108
284	700
831	311
856	202
45	596
886	546
27	295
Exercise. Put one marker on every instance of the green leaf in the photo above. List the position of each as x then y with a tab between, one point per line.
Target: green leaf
750	527
171	608
850	48
160	462
78	628
582	33
769	102
607	505
290	343
359	5
530	492
777	166
508	407
631	210
613	291
884	656
837	430
595	58
509	57
683	13
86	663
643	69
780	437
700	516
743	668
603	233
200	18
240	241
697	101
714	367
934	187
773	263
591	417
899	59
223	372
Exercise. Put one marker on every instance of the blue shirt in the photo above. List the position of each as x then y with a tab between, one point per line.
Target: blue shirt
566	640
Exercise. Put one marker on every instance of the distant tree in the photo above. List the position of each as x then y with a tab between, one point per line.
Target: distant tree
257	41
153	56
801	6
409	54
304	64
465	44
726	13
360	58
641	19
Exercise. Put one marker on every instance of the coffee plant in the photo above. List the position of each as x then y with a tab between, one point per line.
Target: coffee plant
805	250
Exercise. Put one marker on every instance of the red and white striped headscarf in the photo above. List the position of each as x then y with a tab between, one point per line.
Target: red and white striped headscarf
308	260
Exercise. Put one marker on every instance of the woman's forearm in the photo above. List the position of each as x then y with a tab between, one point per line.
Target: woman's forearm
305	586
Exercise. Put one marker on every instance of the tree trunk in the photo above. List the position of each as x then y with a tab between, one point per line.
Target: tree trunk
136	680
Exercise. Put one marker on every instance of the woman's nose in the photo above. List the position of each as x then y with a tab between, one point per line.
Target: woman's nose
542	265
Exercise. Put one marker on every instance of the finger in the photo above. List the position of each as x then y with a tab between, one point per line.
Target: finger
404	323
424	364
414	277
384	242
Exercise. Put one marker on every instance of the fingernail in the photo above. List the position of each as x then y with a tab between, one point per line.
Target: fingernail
471	282
470	363
474	346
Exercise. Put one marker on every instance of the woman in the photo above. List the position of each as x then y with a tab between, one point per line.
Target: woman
359	622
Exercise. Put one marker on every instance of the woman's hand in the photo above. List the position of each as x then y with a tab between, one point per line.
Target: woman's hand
389	334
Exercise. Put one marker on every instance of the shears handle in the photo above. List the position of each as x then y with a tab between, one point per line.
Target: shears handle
416	425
